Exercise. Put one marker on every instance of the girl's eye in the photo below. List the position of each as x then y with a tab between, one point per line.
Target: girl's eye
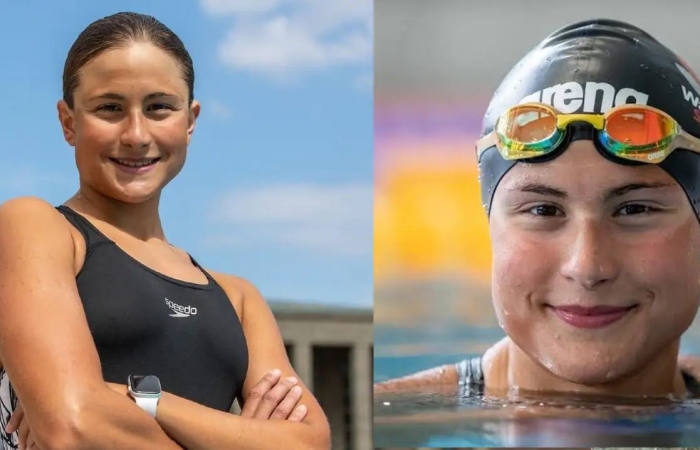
109	108
153	107
161	107
635	209
544	210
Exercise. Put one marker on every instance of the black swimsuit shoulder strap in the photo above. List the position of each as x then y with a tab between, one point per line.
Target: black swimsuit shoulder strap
692	384
90	233
470	371
470	376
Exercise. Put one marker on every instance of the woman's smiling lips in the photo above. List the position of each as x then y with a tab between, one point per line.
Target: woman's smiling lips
591	316
135	165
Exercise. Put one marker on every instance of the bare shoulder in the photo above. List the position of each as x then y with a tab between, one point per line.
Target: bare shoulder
234	282
31	212
437	379
30	223
690	364
242	293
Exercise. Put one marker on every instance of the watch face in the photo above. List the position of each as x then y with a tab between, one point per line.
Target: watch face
145	384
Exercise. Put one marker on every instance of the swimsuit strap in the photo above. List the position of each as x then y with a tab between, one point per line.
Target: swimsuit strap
471	377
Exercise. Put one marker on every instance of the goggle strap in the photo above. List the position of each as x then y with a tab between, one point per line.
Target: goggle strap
687	141
484	143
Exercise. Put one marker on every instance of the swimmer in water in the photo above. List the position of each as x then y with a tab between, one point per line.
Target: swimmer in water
589	163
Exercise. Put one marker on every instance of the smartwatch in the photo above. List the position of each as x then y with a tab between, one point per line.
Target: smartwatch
146	392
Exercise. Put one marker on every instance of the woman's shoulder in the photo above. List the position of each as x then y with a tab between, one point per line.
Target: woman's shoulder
232	284
25	215
233	281
242	292
690	363
27	204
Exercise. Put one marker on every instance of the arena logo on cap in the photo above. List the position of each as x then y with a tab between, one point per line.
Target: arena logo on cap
690	96
569	97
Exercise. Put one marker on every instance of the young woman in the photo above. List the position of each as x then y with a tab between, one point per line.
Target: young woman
590	175
110	337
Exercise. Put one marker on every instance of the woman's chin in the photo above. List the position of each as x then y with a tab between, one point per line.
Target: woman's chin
133	196
587	373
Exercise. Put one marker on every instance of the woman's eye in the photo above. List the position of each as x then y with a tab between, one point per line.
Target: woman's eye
160	107
544	210
635	209
153	107
109	108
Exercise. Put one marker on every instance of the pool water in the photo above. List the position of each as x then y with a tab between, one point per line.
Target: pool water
432	419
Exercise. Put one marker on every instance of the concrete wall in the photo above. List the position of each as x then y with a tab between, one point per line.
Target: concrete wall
341	380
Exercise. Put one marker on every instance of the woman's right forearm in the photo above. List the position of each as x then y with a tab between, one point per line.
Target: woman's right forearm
107	420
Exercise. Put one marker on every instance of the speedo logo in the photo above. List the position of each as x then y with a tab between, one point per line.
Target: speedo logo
180	311
593	97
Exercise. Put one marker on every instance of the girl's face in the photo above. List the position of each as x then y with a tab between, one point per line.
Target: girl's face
596	265
130	108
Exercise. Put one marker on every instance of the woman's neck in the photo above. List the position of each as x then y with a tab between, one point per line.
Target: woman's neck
507	367
140	220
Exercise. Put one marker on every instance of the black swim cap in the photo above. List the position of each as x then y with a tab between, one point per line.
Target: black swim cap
589	67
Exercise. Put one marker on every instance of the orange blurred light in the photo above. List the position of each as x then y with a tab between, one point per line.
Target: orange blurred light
429	222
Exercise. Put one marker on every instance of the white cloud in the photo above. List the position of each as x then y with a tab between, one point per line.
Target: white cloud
285	38
218	7
334	220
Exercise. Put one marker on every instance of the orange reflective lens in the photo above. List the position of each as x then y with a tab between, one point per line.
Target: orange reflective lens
639	127
527	124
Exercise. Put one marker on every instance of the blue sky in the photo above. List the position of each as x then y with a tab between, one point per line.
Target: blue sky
278	183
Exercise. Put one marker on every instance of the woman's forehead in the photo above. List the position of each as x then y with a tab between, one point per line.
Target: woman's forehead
581	169
137	62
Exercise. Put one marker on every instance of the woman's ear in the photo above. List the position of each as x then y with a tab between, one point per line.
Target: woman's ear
65	117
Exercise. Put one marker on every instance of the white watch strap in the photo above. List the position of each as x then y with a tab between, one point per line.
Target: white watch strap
147	404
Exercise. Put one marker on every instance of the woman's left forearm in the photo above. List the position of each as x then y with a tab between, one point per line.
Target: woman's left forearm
197	427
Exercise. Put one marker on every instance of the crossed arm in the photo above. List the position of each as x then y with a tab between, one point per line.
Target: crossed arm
38	292
273	398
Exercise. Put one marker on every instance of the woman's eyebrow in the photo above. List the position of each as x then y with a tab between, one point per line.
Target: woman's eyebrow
539	188
630	187
617	191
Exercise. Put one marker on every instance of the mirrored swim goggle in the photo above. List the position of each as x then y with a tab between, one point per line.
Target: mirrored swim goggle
630	132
